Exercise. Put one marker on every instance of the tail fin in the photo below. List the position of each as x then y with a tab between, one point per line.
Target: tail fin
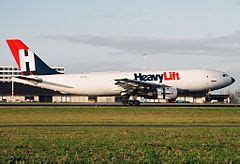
28	62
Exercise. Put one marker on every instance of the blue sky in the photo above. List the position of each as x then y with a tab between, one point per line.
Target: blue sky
108	35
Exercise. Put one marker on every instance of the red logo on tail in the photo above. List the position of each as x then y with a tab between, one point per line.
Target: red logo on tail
24	57
15	45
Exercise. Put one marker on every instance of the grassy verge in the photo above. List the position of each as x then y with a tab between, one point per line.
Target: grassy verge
119	144
125	116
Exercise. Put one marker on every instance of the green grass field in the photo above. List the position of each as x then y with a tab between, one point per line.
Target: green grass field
118	143
132	116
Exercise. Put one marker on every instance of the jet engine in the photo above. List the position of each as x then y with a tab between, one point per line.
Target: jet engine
167	93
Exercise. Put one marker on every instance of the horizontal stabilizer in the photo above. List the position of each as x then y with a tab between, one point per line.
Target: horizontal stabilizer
35	81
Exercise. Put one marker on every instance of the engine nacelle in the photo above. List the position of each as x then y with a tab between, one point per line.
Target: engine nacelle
167	93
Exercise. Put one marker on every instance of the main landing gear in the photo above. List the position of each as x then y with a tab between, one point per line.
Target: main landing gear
131	102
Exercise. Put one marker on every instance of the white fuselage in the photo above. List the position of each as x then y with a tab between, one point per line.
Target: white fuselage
103	83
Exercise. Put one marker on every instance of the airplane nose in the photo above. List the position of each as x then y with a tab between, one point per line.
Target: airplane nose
232	80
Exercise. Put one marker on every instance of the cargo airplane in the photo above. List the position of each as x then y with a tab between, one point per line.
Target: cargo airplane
166	85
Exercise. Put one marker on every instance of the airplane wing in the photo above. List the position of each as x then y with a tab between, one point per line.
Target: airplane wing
130	85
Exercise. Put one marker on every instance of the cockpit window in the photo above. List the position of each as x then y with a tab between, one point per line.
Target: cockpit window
225	75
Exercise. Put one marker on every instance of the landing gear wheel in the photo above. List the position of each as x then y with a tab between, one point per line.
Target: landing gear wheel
137	102
131	103
125	102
